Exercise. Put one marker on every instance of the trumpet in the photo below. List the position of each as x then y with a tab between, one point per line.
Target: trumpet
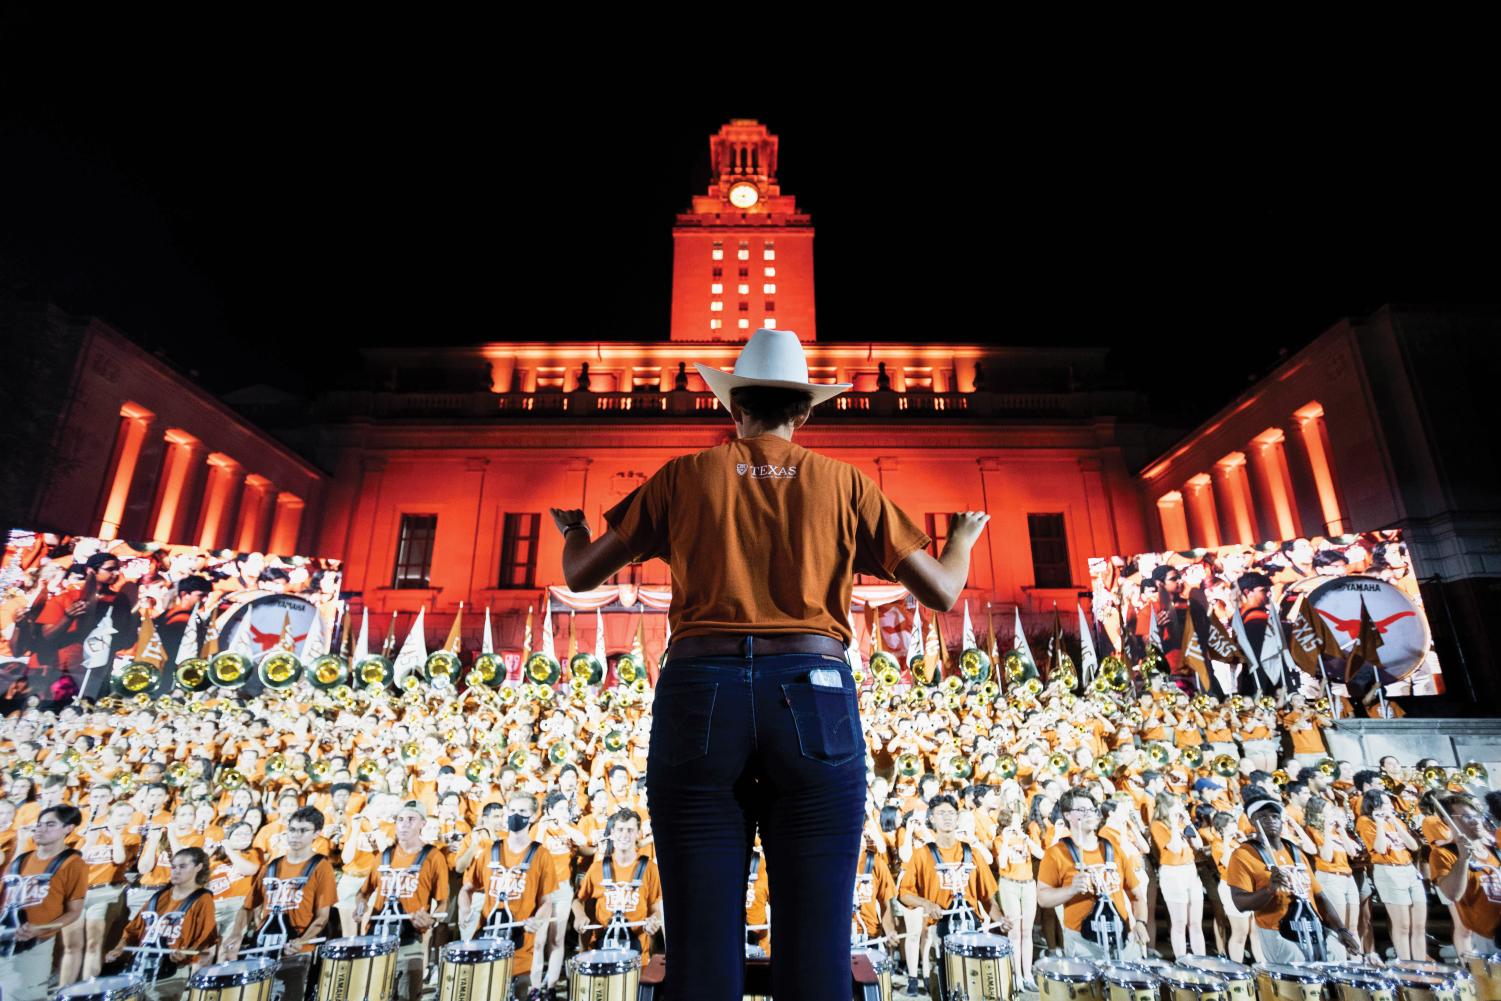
559	753
517	759
953	684
988	691
410	752
1328	767
1280	778
1266	702
1475	772
615	740
479	771
1065	676
179	774
317	771
231	779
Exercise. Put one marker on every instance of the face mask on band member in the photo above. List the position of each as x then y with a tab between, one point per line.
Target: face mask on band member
518	822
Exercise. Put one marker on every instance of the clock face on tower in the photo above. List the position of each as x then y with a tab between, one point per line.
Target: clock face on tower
743	195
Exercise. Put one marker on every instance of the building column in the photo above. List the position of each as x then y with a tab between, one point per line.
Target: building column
1316	446
171	490
285	524
254	500
360	553
1234	492
1199	492
135	421
1174	521
224	476
1269	463
1097	507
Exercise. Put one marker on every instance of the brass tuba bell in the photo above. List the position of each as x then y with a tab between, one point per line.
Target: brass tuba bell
279	669
230	669
908	765
138	677
328	672
192	675
1224	765
441	664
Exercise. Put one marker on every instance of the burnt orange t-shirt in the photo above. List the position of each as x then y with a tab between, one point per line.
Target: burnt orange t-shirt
283	887
732	520
46	899
1480	906
193	931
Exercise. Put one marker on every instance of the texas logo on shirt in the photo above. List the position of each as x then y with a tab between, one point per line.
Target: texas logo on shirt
766	472
621	898
865	888
954	876
506	884
397	883
284	894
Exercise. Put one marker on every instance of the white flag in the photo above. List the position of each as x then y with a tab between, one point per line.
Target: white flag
362	644
487	644
915	637
414	651
243	644
967	642
599	638
852	654
1019	642
547	643
315	645
1272	650
1088	663
187	648
1154	634
96	646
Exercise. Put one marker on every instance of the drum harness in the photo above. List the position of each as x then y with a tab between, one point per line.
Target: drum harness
1300	919
502	918
275	931
22	892
388	923
959	916
858	931
151	962
617	935
1103	926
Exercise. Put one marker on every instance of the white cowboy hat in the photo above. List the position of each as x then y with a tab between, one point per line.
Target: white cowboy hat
769	358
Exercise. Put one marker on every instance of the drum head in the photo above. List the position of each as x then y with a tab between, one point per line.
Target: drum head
1405	637
479	950
977	944
879	961
359	947
1127	975
1184	976
1296	974
121	987
235	974
606	962
1071	970
1227	968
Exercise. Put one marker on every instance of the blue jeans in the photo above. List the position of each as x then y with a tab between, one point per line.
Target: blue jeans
742	742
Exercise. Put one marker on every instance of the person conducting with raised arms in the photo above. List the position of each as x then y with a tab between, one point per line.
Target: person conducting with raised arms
755	722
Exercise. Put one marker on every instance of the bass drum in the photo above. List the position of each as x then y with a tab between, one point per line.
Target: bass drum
241	980
254	621
476	970
1405	637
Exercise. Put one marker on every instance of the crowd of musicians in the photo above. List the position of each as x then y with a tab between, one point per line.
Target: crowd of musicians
171	834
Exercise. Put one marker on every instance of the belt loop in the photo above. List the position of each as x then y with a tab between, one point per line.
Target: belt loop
750	649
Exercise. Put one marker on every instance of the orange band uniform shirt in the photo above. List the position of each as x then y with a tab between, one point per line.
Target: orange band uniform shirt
1339	864
1395	854
872	892
1161	836
194	932
1480	906
227	883
602	898
1013	855
51	897
1247	872
1058	869
923	877
412	891
708	515
100	857
301	903
523	893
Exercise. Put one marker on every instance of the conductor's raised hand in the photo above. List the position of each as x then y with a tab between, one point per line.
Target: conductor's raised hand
966	526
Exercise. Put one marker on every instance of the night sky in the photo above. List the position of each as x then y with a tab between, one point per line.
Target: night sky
257	231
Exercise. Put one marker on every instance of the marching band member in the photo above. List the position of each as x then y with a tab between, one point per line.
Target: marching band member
1083	873
1016	851
289	904
622	885
108	849
560	839
514	884
178	917
232	868
1177	875
1273	879
1398	884
45	890
407	894
1468	871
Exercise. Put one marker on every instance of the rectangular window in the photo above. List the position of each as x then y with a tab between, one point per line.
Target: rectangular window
743	324
743	306
718	272
715	324
717	288
716	306
518	551
646	380
718	252
744	251
743	288
769	289
1049	551
769	306
769	272
768	254
414	550
937	527
770	323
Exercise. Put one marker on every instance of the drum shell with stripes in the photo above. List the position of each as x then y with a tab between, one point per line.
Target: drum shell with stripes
1486	969
1066	979
355	969
241	980
476	970
1128	982
1425	986
1240	982
1460	975
979	965
1183	983
120	987
1275	982
604	975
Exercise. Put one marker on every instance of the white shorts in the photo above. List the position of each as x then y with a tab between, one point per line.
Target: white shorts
1398	884
1228	902
1277	949
1259	746
1017	897
98	901
1309	760
1179	883
1341	891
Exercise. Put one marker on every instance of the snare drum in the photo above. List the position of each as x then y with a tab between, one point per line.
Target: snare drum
1354	982
357	968
1460	975
242	980
1184	983
1128	982
122	987
1486	969
1413	986
476	970
1280	982
1066	979
978	965
1240	984
604	975
883	967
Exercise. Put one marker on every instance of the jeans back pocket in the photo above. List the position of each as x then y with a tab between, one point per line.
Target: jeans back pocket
682	718
828	729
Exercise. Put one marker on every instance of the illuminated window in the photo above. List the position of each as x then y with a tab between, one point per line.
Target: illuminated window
648	380
715	323
769	306
770	323
414	550
743	254
744	324
768	254
717	288
518	551
743	289
743	306
1049	550
550	378
718	252
769	289
716	306
769	272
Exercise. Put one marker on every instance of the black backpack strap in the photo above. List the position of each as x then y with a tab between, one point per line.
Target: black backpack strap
967	855
1073	851
385	857
495	854
607	869
640	871
187	902
15	867
870	863
526	860
937	858
151	904
312	863
62	857
421	858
